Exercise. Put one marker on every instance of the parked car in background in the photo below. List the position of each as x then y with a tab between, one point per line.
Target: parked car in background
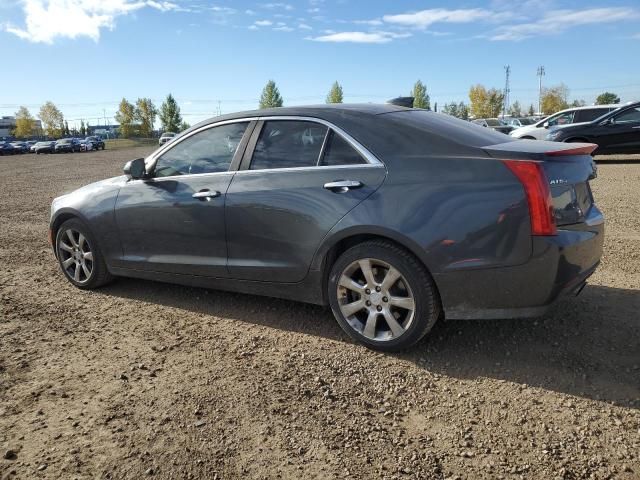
31	144
494	124
517	122
166	137
20	147
540	129
85	146
7	149
615	132
97	142
67	145
394	217
45	147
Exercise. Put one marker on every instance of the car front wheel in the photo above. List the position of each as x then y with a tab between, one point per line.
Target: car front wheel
382	296
79	256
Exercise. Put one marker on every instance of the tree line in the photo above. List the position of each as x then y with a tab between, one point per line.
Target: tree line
137	119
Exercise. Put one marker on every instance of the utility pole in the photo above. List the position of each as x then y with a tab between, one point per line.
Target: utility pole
540	75
505	108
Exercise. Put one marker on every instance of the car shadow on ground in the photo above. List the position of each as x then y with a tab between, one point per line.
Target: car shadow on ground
586	346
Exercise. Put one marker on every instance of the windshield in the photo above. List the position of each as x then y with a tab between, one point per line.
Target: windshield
168	135
526	121
64	140
493	122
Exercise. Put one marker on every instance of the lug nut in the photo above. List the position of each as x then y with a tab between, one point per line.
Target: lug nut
368	303
385	299
379	308
377	289
367	291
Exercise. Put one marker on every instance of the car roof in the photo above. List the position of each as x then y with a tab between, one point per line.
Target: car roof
326	112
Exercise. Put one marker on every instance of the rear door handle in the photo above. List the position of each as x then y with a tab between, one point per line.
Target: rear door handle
342	186
206	194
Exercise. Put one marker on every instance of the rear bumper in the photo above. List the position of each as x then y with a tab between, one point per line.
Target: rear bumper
558	265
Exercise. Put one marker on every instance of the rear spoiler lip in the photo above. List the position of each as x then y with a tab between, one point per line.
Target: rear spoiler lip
537	150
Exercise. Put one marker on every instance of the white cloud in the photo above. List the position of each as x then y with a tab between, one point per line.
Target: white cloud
46	20
558	21
250	12
253	27
359	37
304	26
426	18
283	28
284	6
374	22
262	23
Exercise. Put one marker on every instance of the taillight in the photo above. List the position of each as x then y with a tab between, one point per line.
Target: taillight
536	187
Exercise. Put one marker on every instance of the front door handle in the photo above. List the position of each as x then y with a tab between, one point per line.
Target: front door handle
342	186
206	194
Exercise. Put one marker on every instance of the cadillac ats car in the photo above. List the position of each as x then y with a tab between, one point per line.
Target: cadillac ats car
394	217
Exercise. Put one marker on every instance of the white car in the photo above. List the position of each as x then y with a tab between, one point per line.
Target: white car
166	137
540	129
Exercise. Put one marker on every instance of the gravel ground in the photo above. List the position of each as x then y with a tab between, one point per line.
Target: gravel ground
142	379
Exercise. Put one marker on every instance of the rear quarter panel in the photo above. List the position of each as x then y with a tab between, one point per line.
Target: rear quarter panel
454	213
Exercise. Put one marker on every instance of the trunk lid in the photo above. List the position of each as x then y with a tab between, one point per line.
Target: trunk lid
568	167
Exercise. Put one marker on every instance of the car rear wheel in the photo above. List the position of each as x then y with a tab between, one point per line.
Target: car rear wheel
79	256
382	296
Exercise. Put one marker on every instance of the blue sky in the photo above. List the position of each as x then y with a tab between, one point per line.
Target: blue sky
85	55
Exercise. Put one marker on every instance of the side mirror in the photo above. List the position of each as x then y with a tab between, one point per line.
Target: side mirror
545	125
135	169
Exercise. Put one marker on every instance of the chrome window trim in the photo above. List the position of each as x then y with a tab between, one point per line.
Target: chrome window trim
369	157
311	168
180	177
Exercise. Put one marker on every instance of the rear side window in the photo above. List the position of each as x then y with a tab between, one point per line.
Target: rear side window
562	119
288	144
338	151
589	114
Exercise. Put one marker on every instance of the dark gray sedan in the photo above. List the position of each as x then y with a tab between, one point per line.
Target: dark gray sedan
395	217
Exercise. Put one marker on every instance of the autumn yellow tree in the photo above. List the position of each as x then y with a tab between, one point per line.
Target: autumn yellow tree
485	103
554	99
52	119
24	123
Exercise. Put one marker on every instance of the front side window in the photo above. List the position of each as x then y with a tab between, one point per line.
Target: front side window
338	151
209	151
630	116
288	144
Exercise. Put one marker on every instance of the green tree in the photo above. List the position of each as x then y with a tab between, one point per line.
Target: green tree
435	107
52	119
335	94
420	96
184	126
554	99
170	117
515	110
463	111
145	114
126	116
578	103
83	129
496	102
24	123
532	110
67	132
270	96
607	98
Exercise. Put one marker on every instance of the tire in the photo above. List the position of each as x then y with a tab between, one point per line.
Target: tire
383	317
74	262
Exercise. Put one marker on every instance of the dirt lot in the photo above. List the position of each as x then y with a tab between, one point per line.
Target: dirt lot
144	379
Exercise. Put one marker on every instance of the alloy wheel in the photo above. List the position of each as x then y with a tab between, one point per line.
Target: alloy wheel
376	299
76	256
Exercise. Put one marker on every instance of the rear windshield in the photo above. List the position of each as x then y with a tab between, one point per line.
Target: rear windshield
492	122
451	128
